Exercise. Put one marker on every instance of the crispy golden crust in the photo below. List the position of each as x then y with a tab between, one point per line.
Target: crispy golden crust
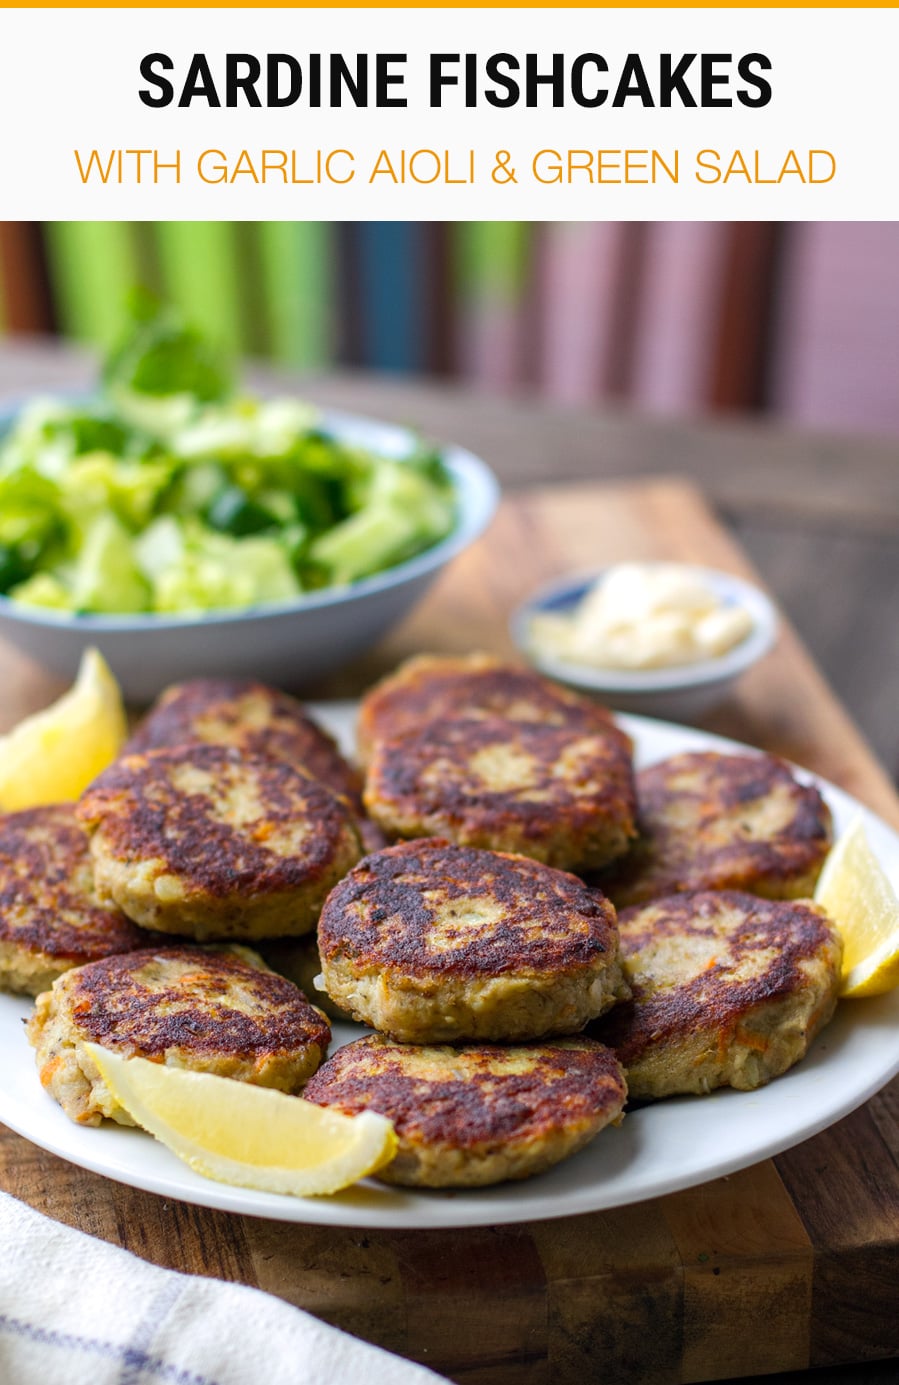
560	795
434	943
50	918
728	990
432	687
218	1011
251	717
477	1115
429	906
716	822
202	1001
209	841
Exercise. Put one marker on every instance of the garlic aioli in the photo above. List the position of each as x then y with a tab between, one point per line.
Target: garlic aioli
643	616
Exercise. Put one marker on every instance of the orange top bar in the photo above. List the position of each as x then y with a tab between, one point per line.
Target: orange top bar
462	5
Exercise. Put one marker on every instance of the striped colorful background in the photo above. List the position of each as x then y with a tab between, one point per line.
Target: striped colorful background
674	317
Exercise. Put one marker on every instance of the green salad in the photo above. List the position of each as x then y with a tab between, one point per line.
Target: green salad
170	492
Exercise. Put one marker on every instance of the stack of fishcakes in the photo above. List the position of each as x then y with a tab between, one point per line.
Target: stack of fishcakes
471	931
226	820
512	1009
210	829
732	970
434	944
490	755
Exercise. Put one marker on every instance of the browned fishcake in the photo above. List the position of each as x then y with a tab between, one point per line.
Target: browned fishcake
208	1010
466	1117
562	795
253	718
50	917
433	943
728	990
207	841
432	687
718	822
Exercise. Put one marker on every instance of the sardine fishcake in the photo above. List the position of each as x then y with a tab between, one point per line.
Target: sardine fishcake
209	842
215	1010
434	943
729	990
560	794
709	821
50	916
433	687
471	1116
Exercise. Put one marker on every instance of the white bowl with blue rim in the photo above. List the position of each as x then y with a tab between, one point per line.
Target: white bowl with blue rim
678	693
288	643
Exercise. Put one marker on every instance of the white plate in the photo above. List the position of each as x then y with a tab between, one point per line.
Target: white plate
658	1149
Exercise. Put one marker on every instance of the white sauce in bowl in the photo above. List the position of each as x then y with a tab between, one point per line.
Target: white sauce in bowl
643	616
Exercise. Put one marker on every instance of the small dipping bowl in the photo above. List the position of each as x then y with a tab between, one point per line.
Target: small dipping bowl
681	692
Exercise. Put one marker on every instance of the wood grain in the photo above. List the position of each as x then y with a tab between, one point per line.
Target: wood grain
785	1265
615	1296
747	1258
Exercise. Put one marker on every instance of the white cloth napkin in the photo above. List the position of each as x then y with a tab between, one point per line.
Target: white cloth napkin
76	1311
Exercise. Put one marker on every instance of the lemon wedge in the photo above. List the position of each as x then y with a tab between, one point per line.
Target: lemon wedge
253	1137
855	893
53	755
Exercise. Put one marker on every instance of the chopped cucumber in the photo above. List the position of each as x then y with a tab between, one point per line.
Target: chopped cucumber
168	492
107	579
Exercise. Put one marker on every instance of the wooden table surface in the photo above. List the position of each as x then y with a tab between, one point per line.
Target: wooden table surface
790	1264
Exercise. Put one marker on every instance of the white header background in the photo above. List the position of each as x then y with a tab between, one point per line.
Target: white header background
71	81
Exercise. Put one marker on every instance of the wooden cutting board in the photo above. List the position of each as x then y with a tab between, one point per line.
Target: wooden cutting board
790	1264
